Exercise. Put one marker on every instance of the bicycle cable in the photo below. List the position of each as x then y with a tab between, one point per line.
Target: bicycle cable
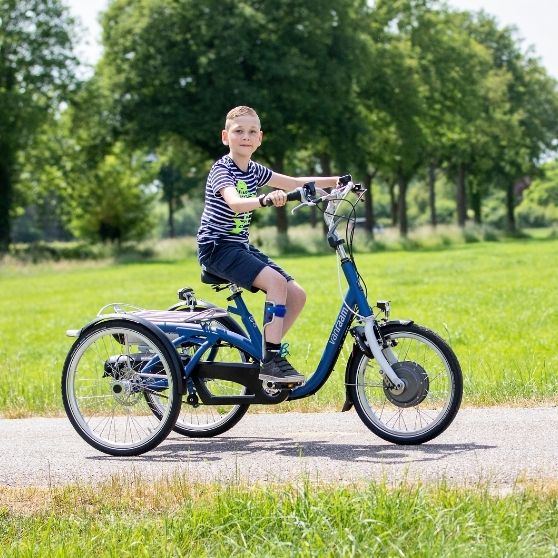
349	238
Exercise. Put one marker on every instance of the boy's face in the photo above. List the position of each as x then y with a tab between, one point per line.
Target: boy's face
243	136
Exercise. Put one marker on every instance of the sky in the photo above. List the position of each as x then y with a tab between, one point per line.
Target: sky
536	21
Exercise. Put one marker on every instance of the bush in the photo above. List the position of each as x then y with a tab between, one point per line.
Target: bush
114	203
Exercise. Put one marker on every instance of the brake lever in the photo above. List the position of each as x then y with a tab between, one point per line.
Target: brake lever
308	203
311	202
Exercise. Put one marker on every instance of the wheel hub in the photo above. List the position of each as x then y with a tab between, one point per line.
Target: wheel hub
126	392
416	384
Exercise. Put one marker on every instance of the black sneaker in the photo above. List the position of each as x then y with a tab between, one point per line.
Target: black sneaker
278	370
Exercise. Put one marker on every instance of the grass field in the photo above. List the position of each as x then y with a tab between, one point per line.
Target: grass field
495	302
173	517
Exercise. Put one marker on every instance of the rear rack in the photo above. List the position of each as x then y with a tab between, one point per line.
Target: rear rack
168	316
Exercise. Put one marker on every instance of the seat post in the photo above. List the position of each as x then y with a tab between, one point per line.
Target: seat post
240	309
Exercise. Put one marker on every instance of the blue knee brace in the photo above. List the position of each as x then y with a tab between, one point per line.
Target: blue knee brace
271	309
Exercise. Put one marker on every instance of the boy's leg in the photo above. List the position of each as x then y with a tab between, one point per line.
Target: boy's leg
296	298
275	285
276	368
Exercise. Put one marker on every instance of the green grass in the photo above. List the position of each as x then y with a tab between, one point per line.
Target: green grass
495	302
173	517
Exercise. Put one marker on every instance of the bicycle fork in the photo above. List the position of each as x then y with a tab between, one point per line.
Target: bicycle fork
378	353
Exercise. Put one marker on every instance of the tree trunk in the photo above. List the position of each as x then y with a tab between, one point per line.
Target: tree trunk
369	204
393	204
325	163
172	230
461	198
313	216
402	206
510	209
476	205
5	202
282	222
313	209
432	193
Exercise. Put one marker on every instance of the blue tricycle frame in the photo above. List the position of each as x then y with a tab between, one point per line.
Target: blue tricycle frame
398	372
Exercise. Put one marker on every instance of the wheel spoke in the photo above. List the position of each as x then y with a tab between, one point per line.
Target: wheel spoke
104	389
207	420
432	379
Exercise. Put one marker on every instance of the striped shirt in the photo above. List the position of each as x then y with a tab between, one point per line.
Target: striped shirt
219	221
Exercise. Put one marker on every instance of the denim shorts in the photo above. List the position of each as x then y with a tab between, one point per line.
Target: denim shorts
235	261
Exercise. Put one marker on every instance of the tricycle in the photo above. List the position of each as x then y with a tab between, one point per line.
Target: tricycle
133	375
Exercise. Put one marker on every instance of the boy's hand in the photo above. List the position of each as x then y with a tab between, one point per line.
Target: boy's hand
344	180
277	197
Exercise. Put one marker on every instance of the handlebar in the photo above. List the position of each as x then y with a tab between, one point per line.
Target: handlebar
304	193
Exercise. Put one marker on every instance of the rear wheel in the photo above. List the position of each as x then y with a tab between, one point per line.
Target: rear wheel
107	375
427	404
197	420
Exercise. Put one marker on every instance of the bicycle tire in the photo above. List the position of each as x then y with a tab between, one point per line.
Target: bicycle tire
191	422
103	382
434	386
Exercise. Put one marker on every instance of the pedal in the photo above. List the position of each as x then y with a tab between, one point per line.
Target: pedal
268	384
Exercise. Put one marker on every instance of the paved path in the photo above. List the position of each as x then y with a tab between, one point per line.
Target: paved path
495	445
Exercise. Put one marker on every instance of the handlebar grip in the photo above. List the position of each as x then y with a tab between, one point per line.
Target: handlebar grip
295	195
303	193
291	196
344	180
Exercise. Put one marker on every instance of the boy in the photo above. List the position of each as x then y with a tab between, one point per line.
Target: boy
231	194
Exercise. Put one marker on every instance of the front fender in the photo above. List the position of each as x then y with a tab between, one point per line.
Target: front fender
395	322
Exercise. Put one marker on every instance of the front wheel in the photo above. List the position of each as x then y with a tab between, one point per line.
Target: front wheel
427	404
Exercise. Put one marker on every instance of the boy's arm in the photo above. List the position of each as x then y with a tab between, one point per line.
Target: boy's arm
241	205
280	181
289	183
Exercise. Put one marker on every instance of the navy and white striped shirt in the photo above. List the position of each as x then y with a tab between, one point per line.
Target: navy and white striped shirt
219	221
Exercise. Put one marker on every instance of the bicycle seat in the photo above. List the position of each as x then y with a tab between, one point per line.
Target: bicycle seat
211	279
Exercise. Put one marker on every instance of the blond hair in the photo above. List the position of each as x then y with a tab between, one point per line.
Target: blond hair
237	112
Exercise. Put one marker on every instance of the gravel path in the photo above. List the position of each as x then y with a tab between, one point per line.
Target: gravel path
495	445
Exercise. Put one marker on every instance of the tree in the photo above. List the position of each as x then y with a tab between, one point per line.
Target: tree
291	60
452	66
36	72
539	202
397	92
112	204
524	123
91	184
182	169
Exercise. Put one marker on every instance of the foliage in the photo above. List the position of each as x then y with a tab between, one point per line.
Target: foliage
404	94
82	180
114	203
293	60
539	205
36	73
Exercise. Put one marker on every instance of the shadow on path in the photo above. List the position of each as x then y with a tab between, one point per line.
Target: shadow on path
217	449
